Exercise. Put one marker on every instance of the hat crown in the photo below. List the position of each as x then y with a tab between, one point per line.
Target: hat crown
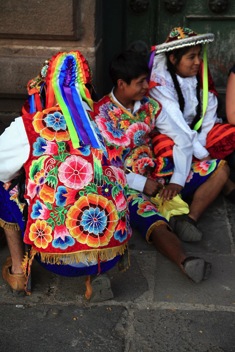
178	33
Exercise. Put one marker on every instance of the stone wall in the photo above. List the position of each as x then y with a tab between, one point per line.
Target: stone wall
32	31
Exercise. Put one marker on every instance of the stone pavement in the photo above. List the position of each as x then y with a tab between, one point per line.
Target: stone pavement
155	308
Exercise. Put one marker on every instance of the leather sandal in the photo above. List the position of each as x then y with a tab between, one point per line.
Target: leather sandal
101	289
197	269
17	282
185	228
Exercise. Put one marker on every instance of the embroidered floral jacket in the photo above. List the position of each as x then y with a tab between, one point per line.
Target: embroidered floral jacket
77	197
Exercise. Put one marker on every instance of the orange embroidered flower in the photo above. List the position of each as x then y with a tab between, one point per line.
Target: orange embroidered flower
40	234
47	193
51	125
92	220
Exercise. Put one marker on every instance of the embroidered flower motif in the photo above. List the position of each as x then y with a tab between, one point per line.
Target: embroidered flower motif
124	124
55	121
62	238
47	193
92	220
38	146
75	172
51	125
35	186
40	211
111	133
40	234
204	167
119	175
141	166
71	196
122	230
120	201
138	133
141	152
60	196
41	146
106	190
51	148
163	167
146	209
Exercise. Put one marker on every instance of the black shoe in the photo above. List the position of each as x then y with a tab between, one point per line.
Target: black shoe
197	269
185	228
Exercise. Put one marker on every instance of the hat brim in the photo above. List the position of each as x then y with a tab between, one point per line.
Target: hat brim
181	43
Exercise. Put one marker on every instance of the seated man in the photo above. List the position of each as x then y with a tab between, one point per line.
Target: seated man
78	216
126	118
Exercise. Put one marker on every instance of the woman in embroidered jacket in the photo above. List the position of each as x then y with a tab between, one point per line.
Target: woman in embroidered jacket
181	82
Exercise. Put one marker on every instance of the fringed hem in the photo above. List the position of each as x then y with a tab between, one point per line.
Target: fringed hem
124	262
9	225
221	164
152	227
82	257
26	267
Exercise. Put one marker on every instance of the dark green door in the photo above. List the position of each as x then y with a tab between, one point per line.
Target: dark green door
151	21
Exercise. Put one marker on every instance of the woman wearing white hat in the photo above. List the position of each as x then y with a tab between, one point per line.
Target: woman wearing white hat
181	82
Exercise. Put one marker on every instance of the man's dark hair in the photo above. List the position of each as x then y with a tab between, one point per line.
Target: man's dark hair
127	66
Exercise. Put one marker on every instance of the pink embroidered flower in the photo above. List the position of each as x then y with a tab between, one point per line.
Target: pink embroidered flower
204	167
138	133
75	172
112	133
51	148
61	232
120	201
146	209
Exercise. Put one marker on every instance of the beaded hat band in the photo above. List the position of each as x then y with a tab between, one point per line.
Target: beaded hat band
180	37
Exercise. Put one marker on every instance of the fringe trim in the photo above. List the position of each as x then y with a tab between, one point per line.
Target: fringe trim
124	262
26	267
82	257
9	225
221	164
152	227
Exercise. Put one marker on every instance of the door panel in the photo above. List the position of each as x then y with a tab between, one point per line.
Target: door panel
152	20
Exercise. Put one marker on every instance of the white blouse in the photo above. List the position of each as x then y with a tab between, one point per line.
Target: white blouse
166	94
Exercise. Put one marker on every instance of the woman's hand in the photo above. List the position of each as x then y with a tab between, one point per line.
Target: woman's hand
170	191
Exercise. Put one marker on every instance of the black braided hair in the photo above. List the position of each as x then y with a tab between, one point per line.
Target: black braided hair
178	53
171	69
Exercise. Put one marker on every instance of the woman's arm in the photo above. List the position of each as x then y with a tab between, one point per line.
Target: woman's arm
169	103
230	99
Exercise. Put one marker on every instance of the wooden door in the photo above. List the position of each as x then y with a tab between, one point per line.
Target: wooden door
152	20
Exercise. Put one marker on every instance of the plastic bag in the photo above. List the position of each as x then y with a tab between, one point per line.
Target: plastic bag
169	208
